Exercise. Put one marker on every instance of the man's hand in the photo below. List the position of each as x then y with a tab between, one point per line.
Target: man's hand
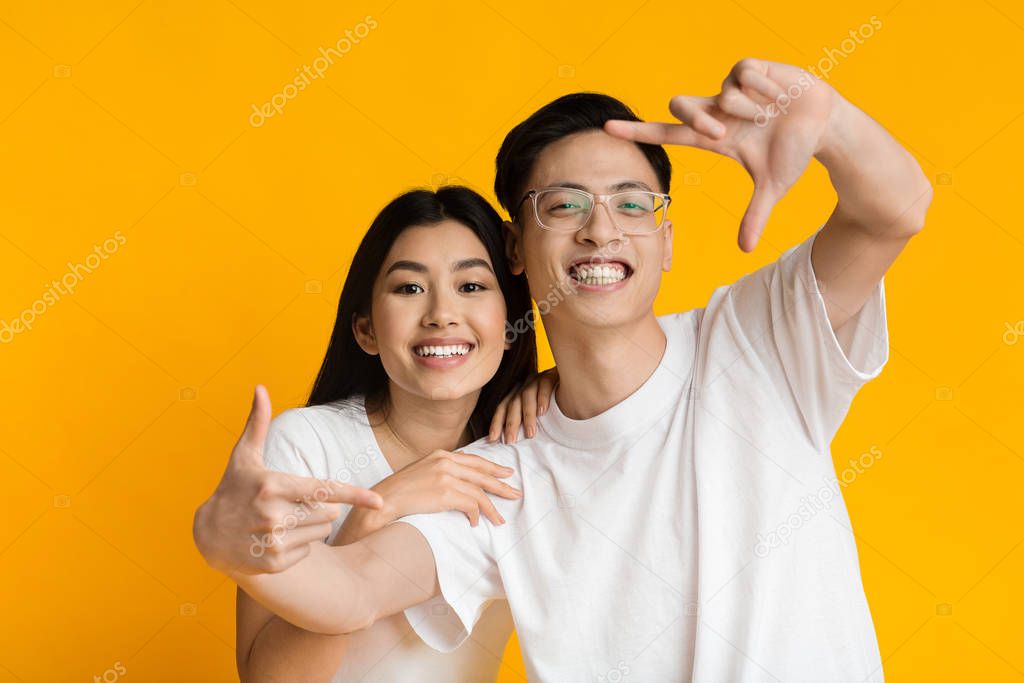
260	521
770	117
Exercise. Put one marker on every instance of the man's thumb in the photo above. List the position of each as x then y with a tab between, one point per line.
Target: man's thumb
756	216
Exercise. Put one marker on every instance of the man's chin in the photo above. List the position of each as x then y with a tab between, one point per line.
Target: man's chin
596	313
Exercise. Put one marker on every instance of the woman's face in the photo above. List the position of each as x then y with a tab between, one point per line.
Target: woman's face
438	316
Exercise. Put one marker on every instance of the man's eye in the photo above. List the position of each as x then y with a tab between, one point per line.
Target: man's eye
472	287
408	288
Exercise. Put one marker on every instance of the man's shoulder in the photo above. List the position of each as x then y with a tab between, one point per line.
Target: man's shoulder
504	453
683	322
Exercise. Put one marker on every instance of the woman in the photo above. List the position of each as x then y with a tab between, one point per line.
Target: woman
418	366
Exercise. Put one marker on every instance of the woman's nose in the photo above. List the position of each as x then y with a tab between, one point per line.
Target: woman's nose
441	312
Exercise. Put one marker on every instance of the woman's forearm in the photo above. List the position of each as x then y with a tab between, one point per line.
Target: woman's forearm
284	652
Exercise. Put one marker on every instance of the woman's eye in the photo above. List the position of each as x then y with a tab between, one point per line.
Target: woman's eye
472	287
409	288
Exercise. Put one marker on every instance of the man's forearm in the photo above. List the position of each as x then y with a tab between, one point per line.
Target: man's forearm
336	590
321	593
882	190
283	651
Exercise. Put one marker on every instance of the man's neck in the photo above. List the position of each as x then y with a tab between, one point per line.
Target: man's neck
600	367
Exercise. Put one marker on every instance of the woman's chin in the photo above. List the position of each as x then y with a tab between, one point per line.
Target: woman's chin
449	392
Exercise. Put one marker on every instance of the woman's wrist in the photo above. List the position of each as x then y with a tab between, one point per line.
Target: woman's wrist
362	522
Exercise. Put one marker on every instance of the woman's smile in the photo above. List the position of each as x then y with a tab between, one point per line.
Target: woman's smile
442	352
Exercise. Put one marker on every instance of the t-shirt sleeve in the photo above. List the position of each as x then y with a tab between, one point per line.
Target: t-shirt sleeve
780	314
294	447
467	573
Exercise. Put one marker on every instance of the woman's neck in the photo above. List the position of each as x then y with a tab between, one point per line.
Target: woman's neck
410	427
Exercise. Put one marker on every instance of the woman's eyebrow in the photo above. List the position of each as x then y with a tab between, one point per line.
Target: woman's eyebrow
418	267
406	265
471	263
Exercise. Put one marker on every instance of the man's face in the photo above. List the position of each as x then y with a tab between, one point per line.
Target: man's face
565	292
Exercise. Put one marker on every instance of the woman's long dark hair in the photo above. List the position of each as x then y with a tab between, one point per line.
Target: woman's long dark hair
348	371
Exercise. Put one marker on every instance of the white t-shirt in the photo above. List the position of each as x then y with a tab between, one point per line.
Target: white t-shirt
336	441
642	547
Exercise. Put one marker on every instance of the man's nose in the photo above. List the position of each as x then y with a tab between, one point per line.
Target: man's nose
600	229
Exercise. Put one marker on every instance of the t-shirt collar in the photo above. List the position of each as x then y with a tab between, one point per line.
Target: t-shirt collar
662	391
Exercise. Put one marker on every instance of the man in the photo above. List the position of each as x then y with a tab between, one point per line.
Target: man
674	445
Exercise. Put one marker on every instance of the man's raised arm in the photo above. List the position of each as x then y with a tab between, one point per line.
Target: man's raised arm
772	118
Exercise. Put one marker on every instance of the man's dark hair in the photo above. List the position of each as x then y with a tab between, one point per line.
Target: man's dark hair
565	116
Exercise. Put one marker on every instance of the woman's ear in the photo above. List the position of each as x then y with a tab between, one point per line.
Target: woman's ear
666	262
362	329
514	247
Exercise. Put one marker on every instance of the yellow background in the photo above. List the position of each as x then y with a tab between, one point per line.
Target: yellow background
121	404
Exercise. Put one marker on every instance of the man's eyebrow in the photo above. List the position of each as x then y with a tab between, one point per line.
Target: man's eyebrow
417	267
630	185
617	187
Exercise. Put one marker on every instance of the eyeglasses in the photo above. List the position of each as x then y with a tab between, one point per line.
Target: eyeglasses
567	209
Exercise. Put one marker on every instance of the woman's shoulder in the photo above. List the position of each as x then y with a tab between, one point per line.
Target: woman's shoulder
326	417
320	440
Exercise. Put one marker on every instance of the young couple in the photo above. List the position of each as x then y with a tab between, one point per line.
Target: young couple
625	534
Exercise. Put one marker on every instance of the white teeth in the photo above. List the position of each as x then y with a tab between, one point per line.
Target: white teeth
442	351
599	274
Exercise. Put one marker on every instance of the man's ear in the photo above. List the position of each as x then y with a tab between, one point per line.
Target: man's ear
666	262
362	329
514	247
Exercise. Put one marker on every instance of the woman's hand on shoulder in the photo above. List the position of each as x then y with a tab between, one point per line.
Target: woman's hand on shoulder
522	406
439	482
